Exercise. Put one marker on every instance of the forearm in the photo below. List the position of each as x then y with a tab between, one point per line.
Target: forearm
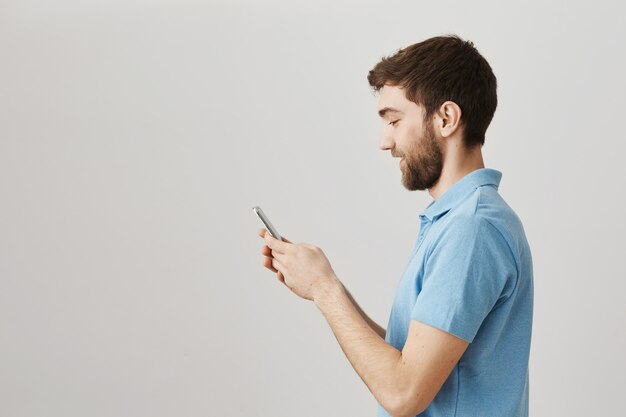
378	329
377	363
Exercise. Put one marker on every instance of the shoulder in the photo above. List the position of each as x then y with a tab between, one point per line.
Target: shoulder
484	212
473	227
466	226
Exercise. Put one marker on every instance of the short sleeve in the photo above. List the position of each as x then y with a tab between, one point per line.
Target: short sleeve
470	267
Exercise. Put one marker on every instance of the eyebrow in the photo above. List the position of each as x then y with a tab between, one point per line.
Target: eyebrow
384	111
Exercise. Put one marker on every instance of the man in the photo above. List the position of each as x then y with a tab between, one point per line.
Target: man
458	338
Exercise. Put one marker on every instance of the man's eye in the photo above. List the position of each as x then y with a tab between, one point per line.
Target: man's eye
393	123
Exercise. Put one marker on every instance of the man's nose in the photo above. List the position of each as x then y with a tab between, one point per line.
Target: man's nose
386	141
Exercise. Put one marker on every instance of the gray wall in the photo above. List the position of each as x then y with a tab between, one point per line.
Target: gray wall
135	137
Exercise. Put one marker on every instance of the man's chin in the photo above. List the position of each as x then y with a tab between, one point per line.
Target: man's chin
410	184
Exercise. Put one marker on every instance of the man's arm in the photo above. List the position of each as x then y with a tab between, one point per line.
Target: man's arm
378	329
404	383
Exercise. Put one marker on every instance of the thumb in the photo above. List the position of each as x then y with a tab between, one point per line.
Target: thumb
285	239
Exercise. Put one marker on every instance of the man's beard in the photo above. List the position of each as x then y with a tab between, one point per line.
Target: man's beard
423	163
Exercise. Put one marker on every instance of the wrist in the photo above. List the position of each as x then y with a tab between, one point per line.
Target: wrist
328	291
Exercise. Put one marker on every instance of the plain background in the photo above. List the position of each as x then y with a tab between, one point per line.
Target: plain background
136	136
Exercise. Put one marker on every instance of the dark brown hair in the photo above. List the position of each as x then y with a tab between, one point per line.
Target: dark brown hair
440	69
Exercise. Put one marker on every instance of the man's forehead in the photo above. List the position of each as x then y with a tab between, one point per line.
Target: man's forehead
391	97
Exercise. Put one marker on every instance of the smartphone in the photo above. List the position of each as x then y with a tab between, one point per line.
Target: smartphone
266	222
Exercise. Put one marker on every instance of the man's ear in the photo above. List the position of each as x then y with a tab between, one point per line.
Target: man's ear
448	119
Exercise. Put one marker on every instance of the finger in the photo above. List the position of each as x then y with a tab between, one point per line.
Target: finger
267	262
266	251
275	244
280	257
277	265
263	230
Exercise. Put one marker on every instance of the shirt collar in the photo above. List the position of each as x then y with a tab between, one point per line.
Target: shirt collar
460	190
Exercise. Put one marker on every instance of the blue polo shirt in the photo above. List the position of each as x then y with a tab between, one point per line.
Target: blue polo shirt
471	275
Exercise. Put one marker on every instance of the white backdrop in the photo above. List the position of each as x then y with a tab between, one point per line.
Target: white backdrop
137	135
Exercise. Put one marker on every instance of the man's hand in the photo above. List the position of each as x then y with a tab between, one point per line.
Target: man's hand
303	268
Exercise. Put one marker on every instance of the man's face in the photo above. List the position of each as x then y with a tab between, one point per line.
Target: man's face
410	138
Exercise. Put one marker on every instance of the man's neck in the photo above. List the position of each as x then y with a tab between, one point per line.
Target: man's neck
458	163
